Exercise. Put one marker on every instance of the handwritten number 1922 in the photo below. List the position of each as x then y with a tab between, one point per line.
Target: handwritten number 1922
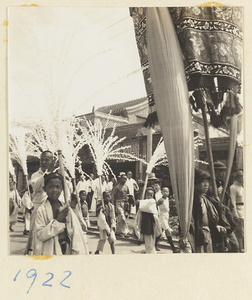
66	286
45	283
32	273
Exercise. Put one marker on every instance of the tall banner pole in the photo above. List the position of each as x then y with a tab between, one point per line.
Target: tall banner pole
62	171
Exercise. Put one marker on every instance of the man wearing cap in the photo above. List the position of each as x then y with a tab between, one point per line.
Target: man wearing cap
205	216
151	179
210	216
237	204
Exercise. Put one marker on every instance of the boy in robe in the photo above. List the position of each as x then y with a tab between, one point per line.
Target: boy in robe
28	204
147	223
106	222
14	203
56	226
84	206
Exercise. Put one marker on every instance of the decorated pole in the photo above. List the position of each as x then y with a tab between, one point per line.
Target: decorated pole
62	171
11	170
27	183
209	150
232	144
77	194
145	185
158	158
19	145
148	156
100	183
106	147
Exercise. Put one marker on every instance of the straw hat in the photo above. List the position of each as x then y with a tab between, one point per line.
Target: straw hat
218	165
152	176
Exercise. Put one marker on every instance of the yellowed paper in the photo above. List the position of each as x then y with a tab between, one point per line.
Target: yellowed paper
182	276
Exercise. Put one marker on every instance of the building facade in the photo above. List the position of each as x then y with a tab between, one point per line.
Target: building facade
129	118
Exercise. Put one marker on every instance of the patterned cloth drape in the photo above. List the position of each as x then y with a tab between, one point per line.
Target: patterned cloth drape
211	42
139	18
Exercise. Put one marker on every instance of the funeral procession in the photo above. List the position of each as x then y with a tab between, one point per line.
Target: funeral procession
126	131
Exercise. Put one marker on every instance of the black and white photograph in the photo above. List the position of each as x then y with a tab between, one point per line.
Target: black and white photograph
125	130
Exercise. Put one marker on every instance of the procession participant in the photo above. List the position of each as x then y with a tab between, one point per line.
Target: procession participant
84	207
237	202
157	196
28	204
74	206
205	216
39	196
146	222
166	181
157	188
163	205
106	223
98	190
133	187
139	193
119	198
111	183
14	203
77	211
82	185
90	184
220	174
56	226
151	179
223	241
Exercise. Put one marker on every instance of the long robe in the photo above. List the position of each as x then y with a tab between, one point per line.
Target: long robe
47	230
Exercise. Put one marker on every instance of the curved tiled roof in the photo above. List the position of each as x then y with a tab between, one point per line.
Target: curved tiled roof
119	107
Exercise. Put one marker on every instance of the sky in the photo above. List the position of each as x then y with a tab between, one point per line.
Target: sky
70	58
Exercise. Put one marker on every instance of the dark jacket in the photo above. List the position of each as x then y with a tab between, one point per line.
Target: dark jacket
213	219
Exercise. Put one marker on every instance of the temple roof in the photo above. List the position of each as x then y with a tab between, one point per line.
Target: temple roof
119	108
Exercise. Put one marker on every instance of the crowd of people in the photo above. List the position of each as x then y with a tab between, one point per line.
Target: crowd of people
55	226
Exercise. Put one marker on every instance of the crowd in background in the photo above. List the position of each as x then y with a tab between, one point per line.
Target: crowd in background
216	226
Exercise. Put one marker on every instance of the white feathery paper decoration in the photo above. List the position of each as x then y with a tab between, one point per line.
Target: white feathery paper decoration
197	142
158	158
11	168
54	70
103	149
19	146
43	138
71	143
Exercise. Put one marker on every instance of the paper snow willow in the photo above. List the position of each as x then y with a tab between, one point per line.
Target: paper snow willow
158	158
19	148
104	146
